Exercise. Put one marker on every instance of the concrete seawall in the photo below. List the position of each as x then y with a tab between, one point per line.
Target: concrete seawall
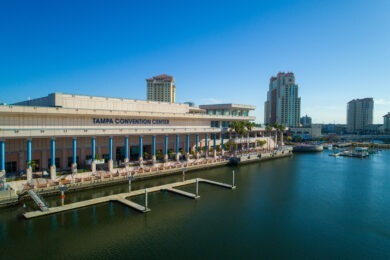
93	184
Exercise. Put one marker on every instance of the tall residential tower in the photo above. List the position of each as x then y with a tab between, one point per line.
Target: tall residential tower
359	114
386	123
161	88
283	106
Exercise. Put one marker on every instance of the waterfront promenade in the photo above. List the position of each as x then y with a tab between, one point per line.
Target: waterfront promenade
90	180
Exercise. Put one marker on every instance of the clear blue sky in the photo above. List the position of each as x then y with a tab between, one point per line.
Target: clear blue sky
218	51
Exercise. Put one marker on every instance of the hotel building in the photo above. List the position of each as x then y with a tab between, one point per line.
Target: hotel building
161	88
66	131
283	106
359	114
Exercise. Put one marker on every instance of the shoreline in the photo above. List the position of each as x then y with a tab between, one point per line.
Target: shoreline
18	198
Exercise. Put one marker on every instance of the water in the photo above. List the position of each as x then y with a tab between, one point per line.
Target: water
307	206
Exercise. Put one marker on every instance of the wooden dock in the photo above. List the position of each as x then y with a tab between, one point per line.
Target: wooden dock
121	198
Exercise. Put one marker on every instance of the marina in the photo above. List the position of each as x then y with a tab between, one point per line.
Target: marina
122	198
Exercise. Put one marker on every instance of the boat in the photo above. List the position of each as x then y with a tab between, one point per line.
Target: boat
308	148
359	152
328	146
335	154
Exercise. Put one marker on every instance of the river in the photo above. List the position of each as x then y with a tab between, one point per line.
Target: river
306	206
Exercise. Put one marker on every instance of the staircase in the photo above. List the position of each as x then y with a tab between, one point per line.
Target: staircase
38	200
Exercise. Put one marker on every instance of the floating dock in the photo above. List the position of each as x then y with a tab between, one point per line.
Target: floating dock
122	198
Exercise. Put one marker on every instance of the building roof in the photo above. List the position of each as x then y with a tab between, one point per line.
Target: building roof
227	106
362	99
162	77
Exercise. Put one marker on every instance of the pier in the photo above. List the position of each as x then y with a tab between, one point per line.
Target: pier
122	198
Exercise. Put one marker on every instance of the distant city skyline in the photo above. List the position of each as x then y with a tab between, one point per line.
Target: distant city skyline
339	51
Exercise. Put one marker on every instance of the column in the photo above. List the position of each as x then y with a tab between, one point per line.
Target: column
166	148
53	159
2	156
197	146
187	146
74	155
141	148
215	145
29	161
222	145
177	148
154	149
93	154
126	149
206	142
110	161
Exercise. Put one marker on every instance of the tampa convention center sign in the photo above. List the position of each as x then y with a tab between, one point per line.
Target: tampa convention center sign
125	121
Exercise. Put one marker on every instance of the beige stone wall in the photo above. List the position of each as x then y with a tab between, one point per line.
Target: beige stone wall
24	121
92	102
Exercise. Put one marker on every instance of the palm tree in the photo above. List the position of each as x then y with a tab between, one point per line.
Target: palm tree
268	130
281	129
233	127
249	126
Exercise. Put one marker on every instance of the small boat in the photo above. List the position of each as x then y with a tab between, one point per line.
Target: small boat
328	146
359	152
335	154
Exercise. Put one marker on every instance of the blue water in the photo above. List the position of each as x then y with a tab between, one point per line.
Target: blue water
307	206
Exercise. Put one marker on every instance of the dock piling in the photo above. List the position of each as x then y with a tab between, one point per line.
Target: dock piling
146	199
233	179
130	177
197	187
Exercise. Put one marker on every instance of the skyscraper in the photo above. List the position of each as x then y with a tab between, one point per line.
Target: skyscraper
359	114
305	121
283	106
161	88
386	122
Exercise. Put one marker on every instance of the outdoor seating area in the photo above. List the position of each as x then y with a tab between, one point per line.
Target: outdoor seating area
118	173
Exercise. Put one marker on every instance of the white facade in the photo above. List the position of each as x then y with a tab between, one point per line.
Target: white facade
118	129
313	131
359	114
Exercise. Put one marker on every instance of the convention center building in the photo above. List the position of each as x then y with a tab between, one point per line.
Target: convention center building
70	132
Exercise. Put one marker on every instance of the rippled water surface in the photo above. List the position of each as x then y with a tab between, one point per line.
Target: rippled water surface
307	206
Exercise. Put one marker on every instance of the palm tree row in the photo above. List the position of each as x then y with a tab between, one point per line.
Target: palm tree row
241	128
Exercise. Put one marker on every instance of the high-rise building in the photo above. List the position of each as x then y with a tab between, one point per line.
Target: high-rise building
283	106
305	121
386	122
161	88
359	114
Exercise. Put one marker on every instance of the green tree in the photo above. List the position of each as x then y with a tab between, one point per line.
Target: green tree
32	164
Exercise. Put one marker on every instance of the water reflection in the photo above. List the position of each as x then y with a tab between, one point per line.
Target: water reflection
301	207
